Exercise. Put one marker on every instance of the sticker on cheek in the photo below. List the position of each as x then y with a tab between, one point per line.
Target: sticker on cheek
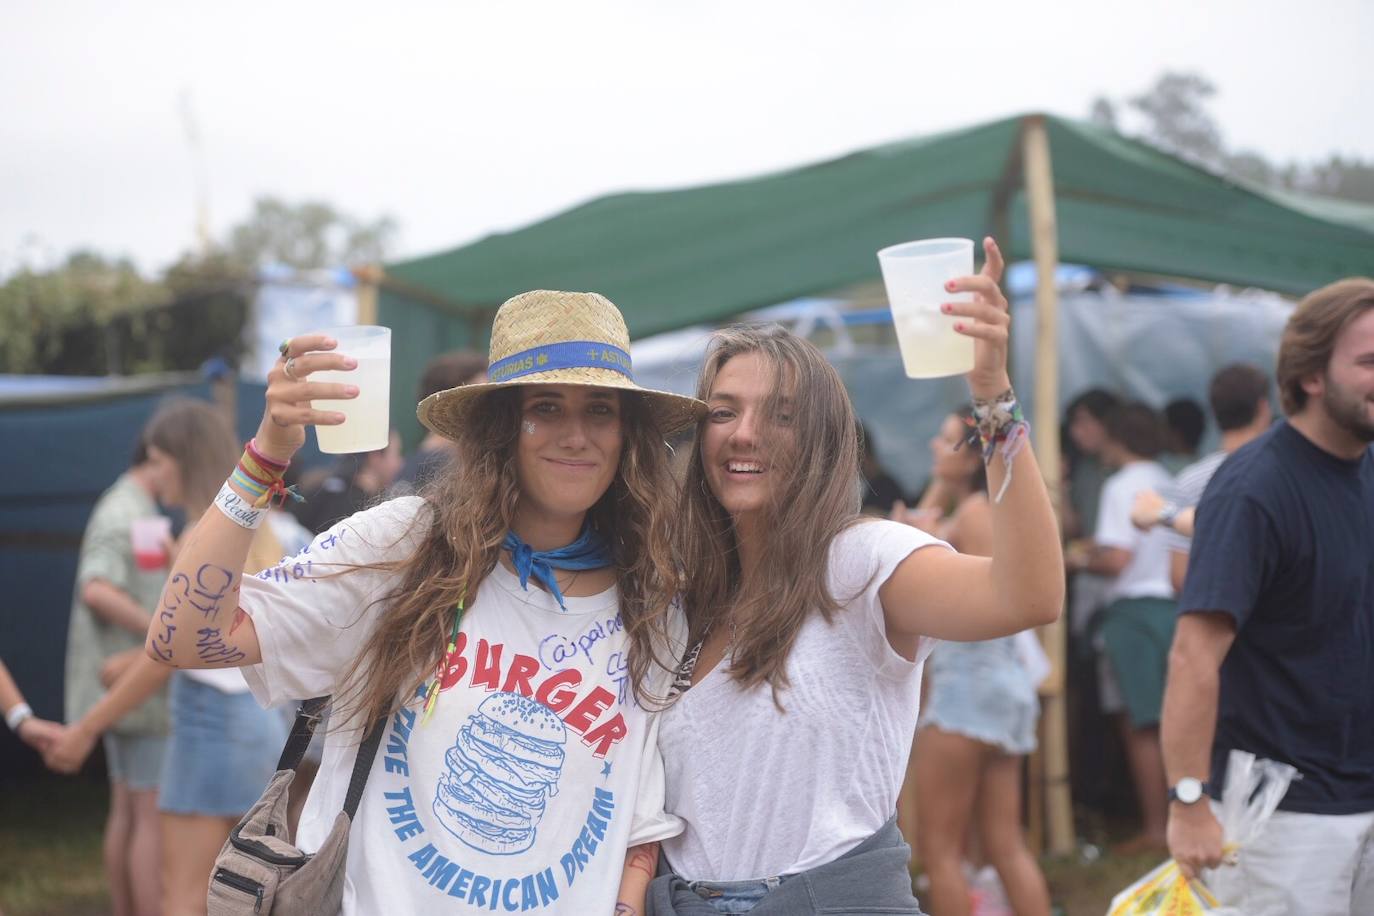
529	427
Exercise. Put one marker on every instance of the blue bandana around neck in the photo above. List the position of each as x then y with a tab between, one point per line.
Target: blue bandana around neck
589	551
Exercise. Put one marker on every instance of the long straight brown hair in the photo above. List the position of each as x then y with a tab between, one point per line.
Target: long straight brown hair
198	437
471	506
815	494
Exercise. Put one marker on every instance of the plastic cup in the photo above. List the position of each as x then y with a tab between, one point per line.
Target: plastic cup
915	274
367	424
149	537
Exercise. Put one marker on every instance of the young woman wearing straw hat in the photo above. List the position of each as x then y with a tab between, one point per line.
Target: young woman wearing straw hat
514	624
810	625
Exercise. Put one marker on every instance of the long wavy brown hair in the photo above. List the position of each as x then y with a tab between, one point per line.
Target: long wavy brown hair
814	497
471	507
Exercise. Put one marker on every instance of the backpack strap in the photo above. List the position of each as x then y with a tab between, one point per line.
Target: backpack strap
362	765
304	727
301	731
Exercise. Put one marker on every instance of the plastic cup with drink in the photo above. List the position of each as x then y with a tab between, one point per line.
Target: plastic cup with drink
150	537
915	274
367	425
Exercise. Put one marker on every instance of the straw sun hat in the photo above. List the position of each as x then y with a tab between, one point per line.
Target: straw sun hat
557	338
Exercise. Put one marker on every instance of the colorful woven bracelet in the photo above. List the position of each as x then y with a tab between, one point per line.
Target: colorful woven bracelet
1002	428
262	478
243	481
267	463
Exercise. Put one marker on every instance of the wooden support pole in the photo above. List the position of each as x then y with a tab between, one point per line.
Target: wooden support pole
1039	179
368	278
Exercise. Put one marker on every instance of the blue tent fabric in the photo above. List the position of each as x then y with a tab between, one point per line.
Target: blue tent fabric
66	440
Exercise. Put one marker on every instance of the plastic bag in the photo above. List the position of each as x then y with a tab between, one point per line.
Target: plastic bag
1254	789
1164	890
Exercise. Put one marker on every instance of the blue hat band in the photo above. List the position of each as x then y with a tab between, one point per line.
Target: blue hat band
569	354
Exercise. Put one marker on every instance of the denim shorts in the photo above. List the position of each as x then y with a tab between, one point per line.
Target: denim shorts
981	690
222	752
135	760
735	896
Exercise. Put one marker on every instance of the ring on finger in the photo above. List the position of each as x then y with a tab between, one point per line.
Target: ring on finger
288	371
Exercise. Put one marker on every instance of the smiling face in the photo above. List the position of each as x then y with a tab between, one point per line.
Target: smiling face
567	447
744	441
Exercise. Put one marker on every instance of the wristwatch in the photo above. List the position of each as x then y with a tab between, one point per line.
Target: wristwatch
1189	791
1167	513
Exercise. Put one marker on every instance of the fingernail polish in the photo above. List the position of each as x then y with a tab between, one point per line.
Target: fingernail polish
946	308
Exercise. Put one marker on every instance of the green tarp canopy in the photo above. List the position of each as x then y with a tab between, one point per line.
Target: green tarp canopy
670	259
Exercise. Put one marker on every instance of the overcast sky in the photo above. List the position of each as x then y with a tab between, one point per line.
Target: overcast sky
464	117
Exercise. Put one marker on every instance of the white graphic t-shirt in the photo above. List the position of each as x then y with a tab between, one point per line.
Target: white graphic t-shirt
533	775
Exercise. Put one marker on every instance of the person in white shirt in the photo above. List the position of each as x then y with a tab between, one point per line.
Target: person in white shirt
1137	625
514	630
810	625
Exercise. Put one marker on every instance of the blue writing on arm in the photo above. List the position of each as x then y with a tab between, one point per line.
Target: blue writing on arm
212	584
213	650
162	642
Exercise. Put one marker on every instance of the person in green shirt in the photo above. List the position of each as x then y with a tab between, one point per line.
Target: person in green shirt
112	604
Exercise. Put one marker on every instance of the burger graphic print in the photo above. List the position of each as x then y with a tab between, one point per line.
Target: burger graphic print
500	772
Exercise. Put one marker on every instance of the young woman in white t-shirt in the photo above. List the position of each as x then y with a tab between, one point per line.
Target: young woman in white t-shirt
786	753
512	625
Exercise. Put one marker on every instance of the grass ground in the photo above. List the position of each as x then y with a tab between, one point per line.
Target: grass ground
50	857
50	848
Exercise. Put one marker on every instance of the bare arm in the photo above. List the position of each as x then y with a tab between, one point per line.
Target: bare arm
10	696
1187	728
37	733
1178	569
954	596
1106	561
142	679
641	862
115	606
198	623
1183	522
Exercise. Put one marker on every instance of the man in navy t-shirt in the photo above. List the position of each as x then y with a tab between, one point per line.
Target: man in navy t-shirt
1274	649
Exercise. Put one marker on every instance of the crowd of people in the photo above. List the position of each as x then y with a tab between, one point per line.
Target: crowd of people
600	674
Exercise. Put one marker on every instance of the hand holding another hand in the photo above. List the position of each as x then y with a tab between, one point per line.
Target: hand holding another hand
68	752
40	734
